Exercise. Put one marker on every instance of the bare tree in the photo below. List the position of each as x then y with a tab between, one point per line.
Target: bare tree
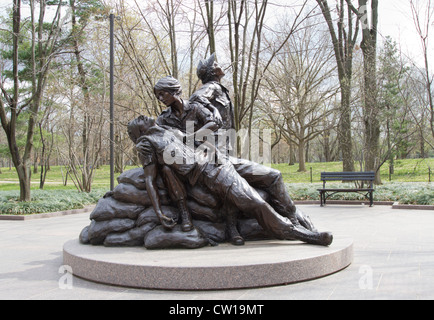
147	37
414	96
79	156
300	80
77	34
169	11
371	110
423	14
163	14
344	40
246	50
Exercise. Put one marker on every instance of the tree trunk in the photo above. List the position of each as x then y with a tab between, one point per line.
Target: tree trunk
422	143
209	4
344	129
24	175
292	158
170	16
343	44
326	144
371	112
86	170
119	156
301	154
22	165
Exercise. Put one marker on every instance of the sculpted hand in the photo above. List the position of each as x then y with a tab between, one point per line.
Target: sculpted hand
178	134
217	117
167	222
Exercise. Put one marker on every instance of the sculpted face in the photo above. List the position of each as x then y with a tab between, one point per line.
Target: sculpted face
147	122
165	97
218	71
210	70
139	126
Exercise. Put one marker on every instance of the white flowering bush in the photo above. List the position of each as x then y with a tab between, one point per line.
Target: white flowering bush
403	192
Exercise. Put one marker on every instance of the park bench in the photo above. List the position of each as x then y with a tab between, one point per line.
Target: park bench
362	177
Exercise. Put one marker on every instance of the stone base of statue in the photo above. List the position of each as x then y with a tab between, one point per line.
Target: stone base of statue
256	264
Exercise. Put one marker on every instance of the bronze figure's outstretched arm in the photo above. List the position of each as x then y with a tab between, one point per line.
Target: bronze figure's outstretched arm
151	188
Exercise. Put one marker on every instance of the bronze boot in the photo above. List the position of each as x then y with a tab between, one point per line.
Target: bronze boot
231	226
318	238
187	224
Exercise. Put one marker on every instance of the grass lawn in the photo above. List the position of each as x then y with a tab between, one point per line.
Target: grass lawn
54	179
409	184
410	170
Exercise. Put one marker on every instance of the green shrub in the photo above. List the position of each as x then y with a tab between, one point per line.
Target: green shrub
47	201
404	193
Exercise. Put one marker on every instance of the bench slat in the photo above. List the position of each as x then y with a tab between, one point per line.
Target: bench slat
346	190
347	176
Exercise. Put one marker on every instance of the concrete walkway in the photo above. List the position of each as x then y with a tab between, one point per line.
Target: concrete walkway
393	259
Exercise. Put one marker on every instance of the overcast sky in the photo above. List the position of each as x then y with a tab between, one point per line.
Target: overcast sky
395	21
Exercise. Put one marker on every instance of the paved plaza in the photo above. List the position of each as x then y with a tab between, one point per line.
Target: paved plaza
393	259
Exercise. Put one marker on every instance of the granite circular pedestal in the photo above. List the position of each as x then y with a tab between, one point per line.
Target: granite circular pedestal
257	264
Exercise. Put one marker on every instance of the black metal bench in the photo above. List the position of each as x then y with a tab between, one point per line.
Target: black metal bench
368	177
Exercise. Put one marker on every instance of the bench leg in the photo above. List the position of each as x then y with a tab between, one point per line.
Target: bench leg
322	199
371	199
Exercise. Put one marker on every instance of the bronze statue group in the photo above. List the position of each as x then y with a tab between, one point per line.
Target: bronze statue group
178	148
